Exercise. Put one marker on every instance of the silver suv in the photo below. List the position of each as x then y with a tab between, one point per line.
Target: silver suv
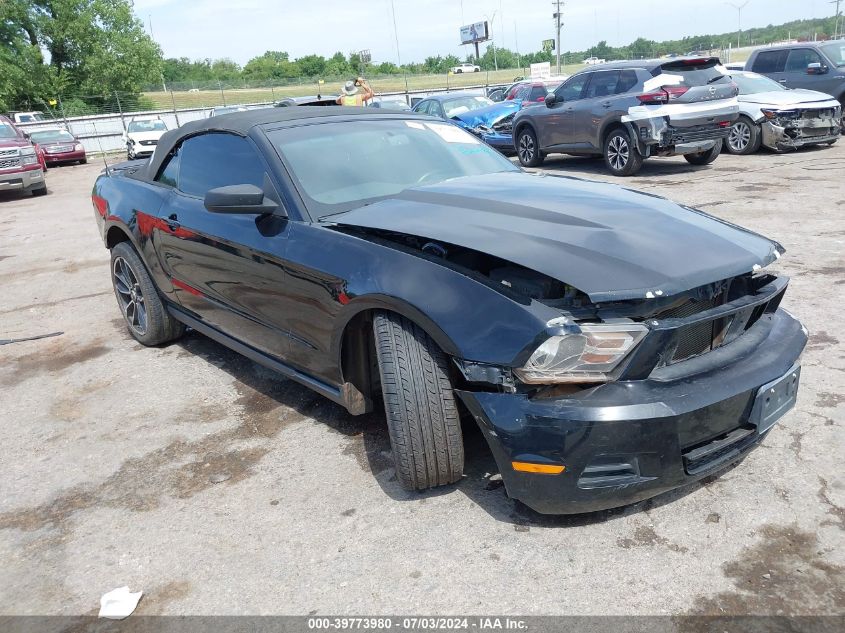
631	110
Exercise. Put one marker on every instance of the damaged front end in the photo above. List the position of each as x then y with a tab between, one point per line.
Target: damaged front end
786	129
643	397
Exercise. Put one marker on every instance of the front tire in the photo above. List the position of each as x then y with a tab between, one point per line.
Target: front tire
422	416
704	158
528	149
40	192
145	315
459	71
621	156
744	137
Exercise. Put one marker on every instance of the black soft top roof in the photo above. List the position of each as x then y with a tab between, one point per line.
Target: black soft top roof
241	123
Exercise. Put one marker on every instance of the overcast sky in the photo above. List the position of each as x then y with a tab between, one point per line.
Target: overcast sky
242	29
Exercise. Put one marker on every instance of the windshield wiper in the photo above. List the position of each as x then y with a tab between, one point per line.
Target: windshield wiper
715	79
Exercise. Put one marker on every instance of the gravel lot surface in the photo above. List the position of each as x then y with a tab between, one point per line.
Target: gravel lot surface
218	488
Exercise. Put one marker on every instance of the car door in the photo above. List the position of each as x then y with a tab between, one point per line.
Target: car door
593	107
555	124
795	71
227	269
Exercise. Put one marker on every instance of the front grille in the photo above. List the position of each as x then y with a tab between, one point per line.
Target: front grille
60	149
10	163
148	142
676	136
700	337
6	153
821	113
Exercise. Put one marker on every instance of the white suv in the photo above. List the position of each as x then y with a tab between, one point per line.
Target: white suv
465	68
141	136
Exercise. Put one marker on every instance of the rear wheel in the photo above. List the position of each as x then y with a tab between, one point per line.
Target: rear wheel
620	155
704	158
422	416
459	71
145	315
527	148
744	137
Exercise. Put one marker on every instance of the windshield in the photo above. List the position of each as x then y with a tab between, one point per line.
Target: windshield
751	84
147	126
454	107
51	136
694	72
836	52
31	118
340	166
7	131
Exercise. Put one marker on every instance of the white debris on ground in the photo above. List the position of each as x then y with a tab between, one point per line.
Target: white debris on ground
119	603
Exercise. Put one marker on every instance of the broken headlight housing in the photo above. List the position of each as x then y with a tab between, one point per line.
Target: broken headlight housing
594	354
781	115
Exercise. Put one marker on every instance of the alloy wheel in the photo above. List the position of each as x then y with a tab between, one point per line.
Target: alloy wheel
526	148
618	152
129	296
739	137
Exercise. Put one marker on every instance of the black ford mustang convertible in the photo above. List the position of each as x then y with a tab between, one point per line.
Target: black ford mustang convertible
610	344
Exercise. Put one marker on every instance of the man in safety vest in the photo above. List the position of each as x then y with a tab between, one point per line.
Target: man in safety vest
351	96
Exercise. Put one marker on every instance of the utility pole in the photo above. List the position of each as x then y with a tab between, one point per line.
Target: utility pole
739	8
836	19
557	16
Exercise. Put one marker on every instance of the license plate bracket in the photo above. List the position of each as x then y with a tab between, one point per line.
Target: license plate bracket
774	399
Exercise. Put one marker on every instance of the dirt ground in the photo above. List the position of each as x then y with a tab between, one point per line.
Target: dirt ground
217	487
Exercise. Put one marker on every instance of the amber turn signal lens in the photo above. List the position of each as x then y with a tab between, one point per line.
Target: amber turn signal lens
544	469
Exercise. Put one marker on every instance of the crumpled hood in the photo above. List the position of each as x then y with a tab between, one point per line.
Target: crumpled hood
489	114
609	242
789	98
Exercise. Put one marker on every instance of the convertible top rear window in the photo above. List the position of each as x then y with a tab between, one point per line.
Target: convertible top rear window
340	166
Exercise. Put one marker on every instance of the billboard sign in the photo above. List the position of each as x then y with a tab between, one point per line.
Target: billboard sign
472	33
543	70
548	46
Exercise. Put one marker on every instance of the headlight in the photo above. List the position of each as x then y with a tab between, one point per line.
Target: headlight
780	114
592	355
28	156
27	151
78	147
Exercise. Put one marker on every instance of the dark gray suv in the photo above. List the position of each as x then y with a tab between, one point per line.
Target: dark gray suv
812	65
628	111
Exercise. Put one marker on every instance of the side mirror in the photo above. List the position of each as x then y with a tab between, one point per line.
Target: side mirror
240	199
550	99
816	69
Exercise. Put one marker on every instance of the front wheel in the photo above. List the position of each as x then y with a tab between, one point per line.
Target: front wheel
458	72
704	158
422	416
744	137
528	149
620	155
145	315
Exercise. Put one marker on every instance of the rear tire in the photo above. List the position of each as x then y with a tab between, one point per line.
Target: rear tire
744	138
528	149
620	155
704	158
422	416
143	310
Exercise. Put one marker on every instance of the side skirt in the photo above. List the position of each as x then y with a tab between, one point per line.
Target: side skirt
346	395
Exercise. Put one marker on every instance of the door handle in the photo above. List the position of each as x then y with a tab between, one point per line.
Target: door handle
781	81
570	109
172	222
606	104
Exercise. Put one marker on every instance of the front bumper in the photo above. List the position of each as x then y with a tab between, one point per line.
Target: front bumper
64	157
626	441
502	142
21	180
799	133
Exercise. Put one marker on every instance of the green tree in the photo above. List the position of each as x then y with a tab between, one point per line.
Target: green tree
312	65
94	47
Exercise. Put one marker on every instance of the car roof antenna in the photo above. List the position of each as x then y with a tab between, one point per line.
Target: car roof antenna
99	142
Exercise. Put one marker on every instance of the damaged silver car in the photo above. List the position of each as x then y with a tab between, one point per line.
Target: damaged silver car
779	118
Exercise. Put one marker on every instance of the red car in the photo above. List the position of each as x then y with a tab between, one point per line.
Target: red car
59	146
21	162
